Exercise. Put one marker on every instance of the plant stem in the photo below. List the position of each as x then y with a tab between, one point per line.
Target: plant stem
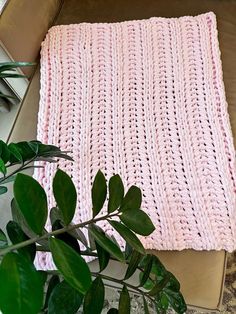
54	233
122	282
86	253
21	168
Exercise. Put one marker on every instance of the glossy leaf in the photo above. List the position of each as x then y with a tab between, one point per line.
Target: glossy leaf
116	193
16	235
32	201
21	288
172	283
3	190
3	240
71	265
54	280
65	195
103	257
4	152
43	276
64	299
128	236
55	214
25	151
156	289
113	239
128	251
138	221
3	168
106	243
19	218
99	192
12	75
15	153
124	303
66	237
161	302
7	66
176	301
132	199
95	292
78	234
34	145
133	264
147	270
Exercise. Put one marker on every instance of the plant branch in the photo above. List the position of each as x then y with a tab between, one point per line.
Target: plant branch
122	282
54	233
21	168
89	253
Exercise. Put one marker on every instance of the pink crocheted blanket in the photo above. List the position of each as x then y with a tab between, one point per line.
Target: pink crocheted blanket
145	99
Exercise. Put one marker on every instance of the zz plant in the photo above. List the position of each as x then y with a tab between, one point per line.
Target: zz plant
72	286
8	70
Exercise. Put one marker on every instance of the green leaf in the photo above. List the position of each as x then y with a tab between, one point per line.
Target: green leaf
3	190
124	303
161	303
113	311
78	234
4	152
133	264
145	306
128	236
132	199
12	75
106	243
147	270
92	244
16	235
21	288
66	237
24	150
18	217
99	192
116	193
55	214
65	195
32	201
43	275
7	66
54	280
128	251
3	240
64	299
71	265
3	168
172	283
176	301
34	145
103	257
15	153
138	221
95	292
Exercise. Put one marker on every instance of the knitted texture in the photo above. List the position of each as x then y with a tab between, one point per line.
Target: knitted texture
144	99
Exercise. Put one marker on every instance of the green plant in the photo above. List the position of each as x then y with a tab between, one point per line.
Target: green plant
8	70
72	285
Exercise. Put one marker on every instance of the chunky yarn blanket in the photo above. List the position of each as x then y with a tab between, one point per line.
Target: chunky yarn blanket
144	99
